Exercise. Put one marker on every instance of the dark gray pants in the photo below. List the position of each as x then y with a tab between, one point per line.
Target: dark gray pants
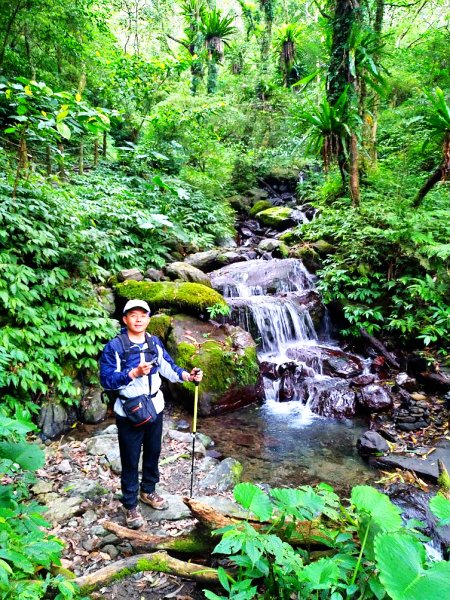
131	441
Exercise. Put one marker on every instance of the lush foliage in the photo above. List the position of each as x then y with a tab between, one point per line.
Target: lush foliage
27	552
372	553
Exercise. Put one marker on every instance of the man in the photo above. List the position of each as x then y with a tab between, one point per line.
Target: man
134	373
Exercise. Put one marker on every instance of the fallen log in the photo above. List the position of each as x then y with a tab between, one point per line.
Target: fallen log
197	541
157	561
306	533
381	348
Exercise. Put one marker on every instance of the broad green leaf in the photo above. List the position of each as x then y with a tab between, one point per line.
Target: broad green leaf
254	499
440	507
29	456
403	572
378	506
321	575
63	130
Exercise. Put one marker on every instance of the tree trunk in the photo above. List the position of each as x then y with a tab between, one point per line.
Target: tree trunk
157	561
428	185
48	160
81	157
354	172
96	152
104	145
62	170
9	25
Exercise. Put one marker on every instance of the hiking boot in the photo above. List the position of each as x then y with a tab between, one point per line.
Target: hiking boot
133	518
154	500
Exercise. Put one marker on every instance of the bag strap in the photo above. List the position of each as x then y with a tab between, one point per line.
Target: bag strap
125	341
126	345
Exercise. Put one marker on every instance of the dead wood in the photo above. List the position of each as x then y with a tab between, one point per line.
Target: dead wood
306	533
381	348
195	542
157	561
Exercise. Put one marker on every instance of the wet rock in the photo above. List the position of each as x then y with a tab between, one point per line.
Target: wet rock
269	369
363	380
182	425
279	217
275	247
424	466
372	442
268	277
130	274
215	259
186	272
224	477
403	380
287	387
374	398
339	364
92	408
55	419
333	399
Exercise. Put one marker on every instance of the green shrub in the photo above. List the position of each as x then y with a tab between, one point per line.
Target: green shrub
370	549
27	551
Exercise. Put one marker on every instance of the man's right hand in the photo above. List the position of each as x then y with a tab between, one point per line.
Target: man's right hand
141	370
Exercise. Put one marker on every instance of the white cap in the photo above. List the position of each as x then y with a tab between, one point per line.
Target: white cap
136	304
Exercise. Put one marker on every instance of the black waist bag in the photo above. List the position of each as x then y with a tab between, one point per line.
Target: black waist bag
139	410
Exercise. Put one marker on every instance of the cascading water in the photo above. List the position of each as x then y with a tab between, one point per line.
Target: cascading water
307	378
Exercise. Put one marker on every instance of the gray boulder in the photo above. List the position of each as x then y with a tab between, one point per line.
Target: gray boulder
372	442
374	398
55	419
186	272
130	274
92	408
224	477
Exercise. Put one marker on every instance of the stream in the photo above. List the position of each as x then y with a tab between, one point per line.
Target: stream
301	434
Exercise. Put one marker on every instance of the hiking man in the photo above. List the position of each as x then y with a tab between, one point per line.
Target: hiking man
132	364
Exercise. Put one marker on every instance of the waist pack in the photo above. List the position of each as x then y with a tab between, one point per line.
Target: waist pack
139	410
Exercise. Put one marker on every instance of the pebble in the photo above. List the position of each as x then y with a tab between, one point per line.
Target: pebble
111	550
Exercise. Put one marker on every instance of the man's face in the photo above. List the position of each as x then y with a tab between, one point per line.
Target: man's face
136	320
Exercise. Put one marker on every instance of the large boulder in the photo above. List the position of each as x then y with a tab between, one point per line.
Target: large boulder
55	419
374	398
92	407
227	356
186	272
278	217
209	260
192	298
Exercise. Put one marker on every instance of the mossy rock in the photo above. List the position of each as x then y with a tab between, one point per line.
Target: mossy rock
259	206
307	255
323	247
291	237
160	325
278	217
192	298
227	356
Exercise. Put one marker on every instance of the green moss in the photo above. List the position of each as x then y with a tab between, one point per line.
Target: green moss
192	298
160	326
323	247
223	367
236	471
276	216
291	237
259	206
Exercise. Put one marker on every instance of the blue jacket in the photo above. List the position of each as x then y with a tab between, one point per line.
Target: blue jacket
113	377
